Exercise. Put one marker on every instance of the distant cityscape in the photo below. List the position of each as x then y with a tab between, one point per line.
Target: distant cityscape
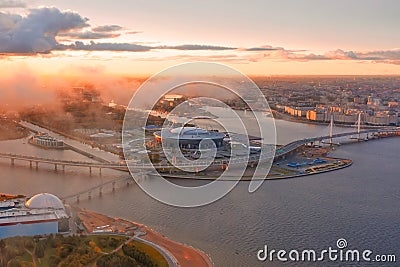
317	99
86	116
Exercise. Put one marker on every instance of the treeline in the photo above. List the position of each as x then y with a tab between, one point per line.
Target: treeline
11	252
56	251
131	257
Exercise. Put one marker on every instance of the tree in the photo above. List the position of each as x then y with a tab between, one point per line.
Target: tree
29	244
39	250
13	263
53	261
64	250
116	260
2	252
113	242
139	256
103	242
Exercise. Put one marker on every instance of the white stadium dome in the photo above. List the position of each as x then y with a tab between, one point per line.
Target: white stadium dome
44	201
189	131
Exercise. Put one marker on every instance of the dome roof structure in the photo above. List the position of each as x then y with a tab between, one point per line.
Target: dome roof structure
44	201
189	131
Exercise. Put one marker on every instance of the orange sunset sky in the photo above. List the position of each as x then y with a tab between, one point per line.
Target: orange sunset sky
59	37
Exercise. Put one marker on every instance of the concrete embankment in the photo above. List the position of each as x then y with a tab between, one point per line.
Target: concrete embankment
345	163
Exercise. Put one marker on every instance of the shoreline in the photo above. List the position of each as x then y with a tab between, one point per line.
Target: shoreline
10	130
291	173
176	253
156	237
278	115
250	178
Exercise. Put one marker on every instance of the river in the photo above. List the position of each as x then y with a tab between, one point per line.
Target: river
359	203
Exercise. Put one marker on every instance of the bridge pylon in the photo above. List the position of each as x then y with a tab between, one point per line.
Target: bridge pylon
359	127
331	132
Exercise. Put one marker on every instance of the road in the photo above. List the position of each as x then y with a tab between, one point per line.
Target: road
105	156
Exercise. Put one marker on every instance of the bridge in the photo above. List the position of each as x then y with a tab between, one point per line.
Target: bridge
368	134
62	163
362	135
280	152
98	188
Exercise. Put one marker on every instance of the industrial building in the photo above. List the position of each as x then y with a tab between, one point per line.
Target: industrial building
41	214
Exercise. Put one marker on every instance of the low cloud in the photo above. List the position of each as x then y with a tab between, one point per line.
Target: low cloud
90	35
215	58
395	62
93	46
196	47
133	32
21	86
379	56
389	56
99	32
340	54
107	28
264	48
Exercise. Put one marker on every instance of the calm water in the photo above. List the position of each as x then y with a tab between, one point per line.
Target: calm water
360	203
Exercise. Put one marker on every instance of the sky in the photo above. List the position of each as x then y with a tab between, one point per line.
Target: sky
261	37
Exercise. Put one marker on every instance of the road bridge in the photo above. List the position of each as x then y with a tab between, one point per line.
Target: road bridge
253	158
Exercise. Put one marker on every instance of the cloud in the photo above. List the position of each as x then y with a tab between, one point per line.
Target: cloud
196	47
395	62
389	56
264	48
379	56
90	35
131	47
107	28
393	54
93	46
215	58
12	4
45	29
340	54
99	32
36	33
133	32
